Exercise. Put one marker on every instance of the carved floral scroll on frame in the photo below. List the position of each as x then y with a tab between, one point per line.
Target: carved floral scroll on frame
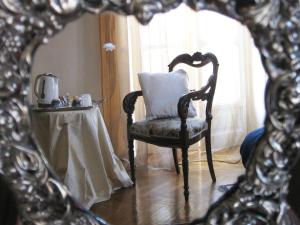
259	197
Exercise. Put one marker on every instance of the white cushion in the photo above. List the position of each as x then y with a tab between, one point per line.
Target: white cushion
162	92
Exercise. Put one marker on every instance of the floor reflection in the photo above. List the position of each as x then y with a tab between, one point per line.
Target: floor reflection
158	197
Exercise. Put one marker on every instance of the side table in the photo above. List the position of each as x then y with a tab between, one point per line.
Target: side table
77	145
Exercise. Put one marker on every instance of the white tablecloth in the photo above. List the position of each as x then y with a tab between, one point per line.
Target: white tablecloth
78	147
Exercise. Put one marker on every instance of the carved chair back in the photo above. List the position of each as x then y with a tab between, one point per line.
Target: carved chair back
206	93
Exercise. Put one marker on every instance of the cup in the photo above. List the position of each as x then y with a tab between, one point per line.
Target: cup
86	100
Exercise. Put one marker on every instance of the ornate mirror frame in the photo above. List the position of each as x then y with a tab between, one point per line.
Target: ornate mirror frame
259	196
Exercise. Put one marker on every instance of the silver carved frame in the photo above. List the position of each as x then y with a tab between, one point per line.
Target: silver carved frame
259	196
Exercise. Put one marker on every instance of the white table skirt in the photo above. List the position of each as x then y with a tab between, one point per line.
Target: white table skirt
78	147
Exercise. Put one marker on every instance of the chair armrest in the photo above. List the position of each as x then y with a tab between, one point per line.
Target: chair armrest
203	94
130	100
184	102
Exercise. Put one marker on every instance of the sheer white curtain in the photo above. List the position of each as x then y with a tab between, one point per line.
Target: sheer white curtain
238	104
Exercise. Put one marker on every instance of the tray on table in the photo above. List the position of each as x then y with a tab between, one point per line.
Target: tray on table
60	109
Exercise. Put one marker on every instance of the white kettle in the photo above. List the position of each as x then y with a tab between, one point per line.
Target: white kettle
46	89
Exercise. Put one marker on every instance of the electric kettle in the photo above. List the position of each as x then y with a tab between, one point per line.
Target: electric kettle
46	89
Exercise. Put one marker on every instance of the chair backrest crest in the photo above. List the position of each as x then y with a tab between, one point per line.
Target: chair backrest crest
204	59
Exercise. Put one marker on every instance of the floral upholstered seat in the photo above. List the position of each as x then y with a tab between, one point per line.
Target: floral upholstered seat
167	128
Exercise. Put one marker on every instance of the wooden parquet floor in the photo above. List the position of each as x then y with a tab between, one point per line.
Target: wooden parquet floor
158	197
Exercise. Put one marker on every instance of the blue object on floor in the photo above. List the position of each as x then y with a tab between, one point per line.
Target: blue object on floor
249	143
225	187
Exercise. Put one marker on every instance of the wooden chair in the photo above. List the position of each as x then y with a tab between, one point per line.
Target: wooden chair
184	131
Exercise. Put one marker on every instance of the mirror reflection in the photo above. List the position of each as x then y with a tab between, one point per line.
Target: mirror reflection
78	85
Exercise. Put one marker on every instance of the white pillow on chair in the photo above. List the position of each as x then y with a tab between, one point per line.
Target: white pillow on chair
162	92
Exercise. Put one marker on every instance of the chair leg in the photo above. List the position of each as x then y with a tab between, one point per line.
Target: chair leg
131	158
209	156
175	160
185	169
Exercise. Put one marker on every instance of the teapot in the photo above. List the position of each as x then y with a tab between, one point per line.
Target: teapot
46	89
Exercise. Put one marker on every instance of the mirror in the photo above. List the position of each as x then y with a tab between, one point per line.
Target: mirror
83	162
258	197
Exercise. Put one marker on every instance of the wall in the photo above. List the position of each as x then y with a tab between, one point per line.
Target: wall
74	56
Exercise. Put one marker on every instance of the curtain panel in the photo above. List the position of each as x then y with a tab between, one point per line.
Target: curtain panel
114	67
